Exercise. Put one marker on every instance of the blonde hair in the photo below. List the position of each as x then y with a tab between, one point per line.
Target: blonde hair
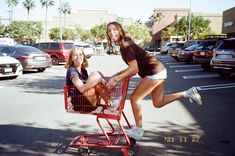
69	62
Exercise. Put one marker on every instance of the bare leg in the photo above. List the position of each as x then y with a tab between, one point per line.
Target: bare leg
156	87
103	92
93	79
160	100
91	96
97	89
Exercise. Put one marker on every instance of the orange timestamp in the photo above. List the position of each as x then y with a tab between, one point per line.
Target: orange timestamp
182	139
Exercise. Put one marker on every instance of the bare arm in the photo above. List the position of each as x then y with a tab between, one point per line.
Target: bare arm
128	72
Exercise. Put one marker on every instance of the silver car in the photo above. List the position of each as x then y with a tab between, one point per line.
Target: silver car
29	57
223	60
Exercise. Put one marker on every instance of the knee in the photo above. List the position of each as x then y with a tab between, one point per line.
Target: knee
95	74
134	99
157	104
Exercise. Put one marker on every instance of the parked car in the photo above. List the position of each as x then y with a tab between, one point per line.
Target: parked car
191	42
29	57
204	52
100	48
9	67
87	47
186	54
223	60
174	49
166	47
152	48
59	51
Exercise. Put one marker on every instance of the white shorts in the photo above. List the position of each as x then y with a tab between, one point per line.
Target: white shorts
159	76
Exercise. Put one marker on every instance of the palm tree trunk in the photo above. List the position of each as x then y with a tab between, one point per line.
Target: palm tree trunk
46	26
64	21
28	15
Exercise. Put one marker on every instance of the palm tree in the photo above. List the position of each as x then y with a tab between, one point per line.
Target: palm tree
46	3
12	3
29	4
156	17
65	8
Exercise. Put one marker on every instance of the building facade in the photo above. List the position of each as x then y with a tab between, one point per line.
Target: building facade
85	19
228	25
170	18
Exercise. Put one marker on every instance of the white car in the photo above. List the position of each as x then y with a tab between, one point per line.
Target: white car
88	48
10	67
167	46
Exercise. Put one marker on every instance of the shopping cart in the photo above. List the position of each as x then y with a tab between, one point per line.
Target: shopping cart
115	136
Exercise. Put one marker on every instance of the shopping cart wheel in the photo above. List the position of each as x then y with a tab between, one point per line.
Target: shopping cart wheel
84	150
131	153
132	141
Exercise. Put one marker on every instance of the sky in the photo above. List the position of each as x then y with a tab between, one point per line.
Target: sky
136	9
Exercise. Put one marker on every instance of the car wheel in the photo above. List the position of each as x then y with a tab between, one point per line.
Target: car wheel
41	69
206	66
55	61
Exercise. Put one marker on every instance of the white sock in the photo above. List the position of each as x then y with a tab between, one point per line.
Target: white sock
185	94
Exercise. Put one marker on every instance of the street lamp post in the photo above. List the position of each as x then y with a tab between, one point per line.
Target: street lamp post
189	23
60	23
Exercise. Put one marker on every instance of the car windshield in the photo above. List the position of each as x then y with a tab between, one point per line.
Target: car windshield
68	45
227	44
207	45
192	47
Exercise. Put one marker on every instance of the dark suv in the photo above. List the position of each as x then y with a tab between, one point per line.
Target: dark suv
59	51
204	52
152	48
223	60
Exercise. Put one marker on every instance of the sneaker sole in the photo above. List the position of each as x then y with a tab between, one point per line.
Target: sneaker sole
197	95
133	136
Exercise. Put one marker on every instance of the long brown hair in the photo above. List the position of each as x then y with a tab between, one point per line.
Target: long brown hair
121	33
69	62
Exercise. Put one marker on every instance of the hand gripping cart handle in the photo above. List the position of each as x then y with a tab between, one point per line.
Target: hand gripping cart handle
115	136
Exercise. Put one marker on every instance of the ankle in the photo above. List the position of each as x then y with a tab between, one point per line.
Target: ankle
184	94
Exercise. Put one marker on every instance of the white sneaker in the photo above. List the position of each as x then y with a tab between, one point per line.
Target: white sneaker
135	132
193	94
97	110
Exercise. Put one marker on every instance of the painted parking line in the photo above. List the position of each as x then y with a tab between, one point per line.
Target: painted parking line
191	65
200	76
175	63
217	86
188	70
166	60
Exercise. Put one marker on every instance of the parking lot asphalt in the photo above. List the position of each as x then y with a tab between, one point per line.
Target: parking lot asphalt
33	120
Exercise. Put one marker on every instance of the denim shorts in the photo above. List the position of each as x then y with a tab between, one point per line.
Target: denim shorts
159	76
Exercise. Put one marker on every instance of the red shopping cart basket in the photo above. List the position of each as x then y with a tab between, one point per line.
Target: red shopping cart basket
115	136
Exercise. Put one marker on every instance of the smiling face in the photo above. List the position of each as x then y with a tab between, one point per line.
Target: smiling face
113	33
78	57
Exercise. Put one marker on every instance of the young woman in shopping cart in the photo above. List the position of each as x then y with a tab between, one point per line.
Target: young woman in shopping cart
90	87
152	72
